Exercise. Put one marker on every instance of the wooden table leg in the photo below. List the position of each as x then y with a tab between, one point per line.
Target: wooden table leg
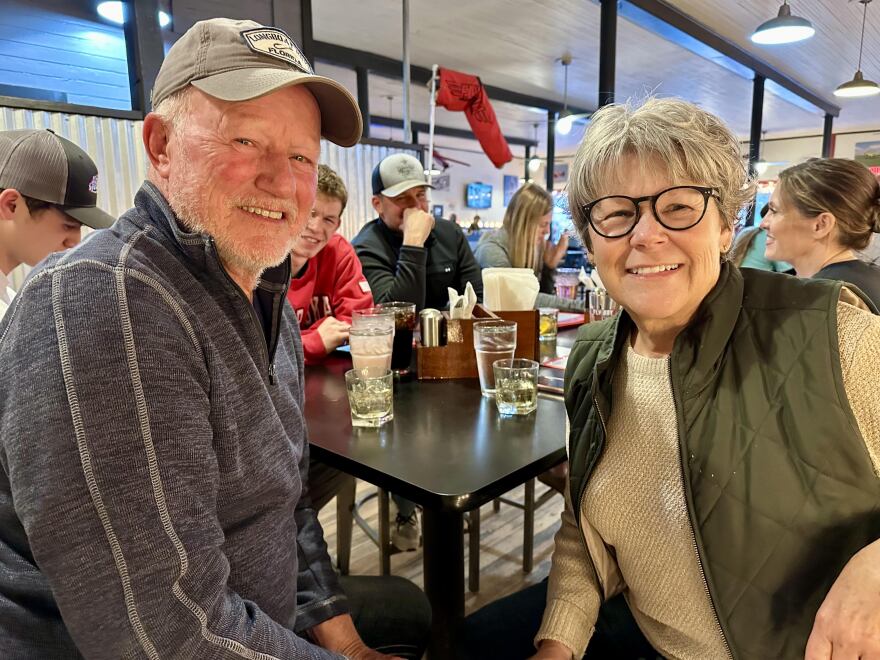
443	559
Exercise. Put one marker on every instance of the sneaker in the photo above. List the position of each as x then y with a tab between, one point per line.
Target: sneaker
405	530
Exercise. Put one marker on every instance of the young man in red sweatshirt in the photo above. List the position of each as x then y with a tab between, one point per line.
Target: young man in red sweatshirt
328	283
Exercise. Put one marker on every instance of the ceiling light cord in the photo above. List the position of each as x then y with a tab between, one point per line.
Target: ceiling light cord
565	69
862	40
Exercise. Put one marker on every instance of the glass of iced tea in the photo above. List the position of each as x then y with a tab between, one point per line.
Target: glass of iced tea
404	325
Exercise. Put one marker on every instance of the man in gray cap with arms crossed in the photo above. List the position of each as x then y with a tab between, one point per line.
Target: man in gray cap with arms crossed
48	190
152	498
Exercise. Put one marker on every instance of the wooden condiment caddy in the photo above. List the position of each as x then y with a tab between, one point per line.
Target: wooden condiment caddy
457	358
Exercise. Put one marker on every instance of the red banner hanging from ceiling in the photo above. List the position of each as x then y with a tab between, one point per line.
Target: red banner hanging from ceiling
459	91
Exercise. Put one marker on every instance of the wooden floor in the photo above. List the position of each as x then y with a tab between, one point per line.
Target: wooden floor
501	538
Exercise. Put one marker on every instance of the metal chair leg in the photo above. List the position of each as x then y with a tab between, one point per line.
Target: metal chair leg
528	525
384	534
474	550
344	522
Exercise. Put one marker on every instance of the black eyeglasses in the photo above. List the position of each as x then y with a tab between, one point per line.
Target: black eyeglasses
676	208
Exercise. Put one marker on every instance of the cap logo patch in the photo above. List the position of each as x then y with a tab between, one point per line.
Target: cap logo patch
275	43
408	170
93	185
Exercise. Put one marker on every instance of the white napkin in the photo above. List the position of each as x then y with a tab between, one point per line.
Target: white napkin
584	279
462	306
596	280
509	289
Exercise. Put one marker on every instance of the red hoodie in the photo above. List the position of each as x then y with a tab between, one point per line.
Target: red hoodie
333	284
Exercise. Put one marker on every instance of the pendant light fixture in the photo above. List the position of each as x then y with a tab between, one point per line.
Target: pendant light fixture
858	86
565	120
534	161
784	29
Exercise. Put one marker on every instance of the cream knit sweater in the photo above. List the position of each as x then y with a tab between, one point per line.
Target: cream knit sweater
637	491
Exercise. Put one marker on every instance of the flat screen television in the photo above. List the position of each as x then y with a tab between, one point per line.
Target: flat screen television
479	196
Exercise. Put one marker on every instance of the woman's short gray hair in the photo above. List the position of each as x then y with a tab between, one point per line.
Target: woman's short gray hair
694	145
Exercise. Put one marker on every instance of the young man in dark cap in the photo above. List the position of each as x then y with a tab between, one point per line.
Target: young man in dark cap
48	190
151	397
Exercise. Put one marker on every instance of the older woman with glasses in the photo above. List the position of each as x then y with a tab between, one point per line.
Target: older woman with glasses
725	443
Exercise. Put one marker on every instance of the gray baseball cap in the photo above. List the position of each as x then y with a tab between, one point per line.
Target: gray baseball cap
45	166
397	173
242	60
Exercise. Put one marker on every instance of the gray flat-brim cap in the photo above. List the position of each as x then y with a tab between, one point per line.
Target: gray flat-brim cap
241	60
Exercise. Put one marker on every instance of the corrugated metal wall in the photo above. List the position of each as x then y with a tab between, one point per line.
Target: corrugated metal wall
117	149
114	144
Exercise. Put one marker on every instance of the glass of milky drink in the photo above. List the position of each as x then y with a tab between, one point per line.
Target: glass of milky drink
516	386
371	345
372	316
493	340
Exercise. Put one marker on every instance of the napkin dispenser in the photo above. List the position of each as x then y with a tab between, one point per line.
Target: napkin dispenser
457	358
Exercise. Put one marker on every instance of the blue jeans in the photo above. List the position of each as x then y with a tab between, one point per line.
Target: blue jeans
390	613
507	627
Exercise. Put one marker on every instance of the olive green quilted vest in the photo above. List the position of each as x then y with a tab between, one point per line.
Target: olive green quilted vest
780	489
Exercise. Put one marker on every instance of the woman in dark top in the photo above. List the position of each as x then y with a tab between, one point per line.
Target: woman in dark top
821	213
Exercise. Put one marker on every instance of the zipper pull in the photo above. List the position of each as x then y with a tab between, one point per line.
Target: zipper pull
271	373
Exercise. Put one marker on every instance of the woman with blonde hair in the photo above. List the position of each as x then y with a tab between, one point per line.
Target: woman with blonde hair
522	243
821	213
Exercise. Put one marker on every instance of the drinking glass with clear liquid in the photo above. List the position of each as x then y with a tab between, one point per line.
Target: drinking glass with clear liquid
516	386
601	306
493	340
370	396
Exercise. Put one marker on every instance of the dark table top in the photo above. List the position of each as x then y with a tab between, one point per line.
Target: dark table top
447	447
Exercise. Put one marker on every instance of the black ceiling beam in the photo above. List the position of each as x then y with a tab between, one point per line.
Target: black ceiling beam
443	130
607	51
144	50
686	24
391	68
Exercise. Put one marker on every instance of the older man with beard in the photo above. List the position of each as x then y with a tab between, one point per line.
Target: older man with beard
152	498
